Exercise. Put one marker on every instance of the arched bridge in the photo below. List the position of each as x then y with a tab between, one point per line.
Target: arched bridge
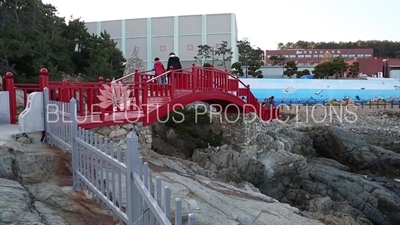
141	97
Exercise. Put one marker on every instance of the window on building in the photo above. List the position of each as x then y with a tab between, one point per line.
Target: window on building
292	56
360	56
307	56
368	55
345	56
338	51
321	52
352	56
315	56
321	56
268	56
300	56
336	55
286	56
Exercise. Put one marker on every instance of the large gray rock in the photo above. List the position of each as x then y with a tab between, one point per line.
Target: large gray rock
340	145
36	196
215	202
16	205
327	178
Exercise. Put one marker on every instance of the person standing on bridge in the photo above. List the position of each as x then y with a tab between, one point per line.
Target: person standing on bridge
175	62
159	69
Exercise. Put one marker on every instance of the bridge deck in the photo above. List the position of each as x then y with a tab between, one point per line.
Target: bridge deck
127	116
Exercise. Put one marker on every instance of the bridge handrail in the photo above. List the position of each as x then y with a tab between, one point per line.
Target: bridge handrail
142	72
158	76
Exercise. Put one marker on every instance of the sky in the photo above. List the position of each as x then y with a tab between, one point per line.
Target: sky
264	22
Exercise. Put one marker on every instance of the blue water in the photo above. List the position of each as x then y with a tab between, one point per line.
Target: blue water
300	91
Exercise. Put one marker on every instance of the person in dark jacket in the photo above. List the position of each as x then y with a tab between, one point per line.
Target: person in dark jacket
174	61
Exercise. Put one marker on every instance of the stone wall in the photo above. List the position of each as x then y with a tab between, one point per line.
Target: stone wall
240	129
118	134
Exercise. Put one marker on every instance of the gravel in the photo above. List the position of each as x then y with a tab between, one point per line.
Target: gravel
380	128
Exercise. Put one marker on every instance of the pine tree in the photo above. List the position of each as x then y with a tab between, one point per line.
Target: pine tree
134	62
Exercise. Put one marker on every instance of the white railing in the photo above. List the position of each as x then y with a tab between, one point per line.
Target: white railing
115	177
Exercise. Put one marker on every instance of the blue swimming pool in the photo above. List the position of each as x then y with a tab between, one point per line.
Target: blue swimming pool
321	90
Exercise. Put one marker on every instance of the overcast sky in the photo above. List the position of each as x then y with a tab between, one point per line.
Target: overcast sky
264	22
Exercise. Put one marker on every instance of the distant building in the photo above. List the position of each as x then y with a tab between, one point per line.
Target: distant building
303	56
378	67
157	37
391	68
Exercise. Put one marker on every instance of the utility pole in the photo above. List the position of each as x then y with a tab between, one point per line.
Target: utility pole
245	61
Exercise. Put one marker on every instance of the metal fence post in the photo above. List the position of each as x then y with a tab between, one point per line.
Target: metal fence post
46	114
178	211
168	202
133	203
192	219
74	134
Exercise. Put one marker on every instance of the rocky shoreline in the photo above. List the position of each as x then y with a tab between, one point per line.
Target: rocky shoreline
299	172
332	171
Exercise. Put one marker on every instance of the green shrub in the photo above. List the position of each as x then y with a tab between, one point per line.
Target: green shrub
193	127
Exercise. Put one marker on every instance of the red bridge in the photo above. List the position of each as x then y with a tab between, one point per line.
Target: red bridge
138	97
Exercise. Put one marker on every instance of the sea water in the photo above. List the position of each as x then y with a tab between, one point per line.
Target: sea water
319	91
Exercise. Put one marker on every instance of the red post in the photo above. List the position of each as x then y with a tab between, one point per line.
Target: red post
172	81
111	107
194	77
212	75
225	80
43	79
248	94
136	87
93	101
9	83
64	91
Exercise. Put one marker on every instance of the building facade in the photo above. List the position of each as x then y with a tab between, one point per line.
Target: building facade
157	37
304	56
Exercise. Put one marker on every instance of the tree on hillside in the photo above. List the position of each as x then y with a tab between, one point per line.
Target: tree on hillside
237	69
204	53
290	69
32	37
335	67
383	49
302	73
327	57
251	57
226	53
354	69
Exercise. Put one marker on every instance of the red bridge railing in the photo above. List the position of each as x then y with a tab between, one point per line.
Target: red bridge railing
139	87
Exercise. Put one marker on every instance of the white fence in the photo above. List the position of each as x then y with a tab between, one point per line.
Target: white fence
116	178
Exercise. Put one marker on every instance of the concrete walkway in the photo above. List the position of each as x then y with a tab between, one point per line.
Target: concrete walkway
8	132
